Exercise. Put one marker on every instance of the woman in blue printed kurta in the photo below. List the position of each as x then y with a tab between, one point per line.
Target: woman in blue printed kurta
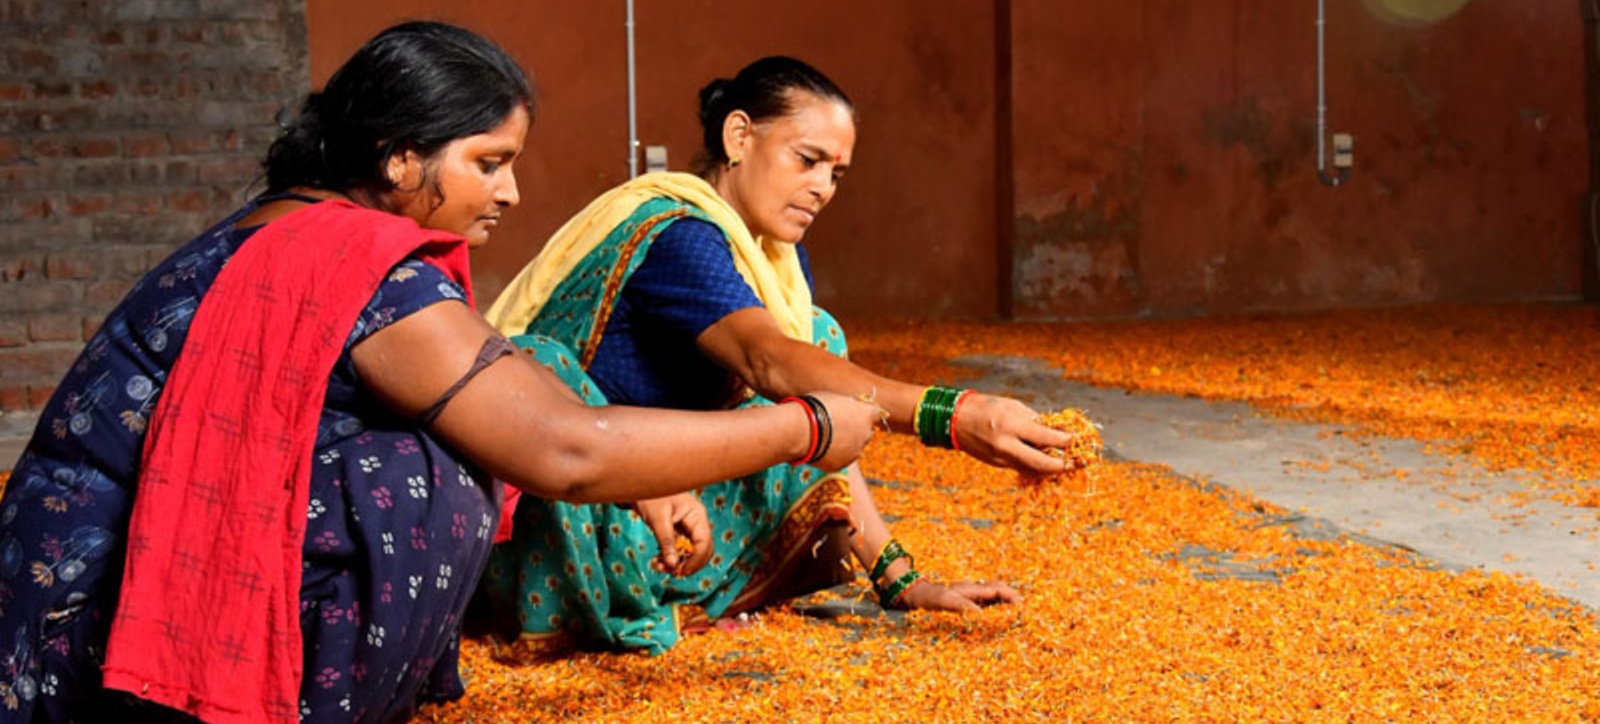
425	518
401	502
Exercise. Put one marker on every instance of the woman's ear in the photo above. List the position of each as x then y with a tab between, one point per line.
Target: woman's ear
404	170
737	134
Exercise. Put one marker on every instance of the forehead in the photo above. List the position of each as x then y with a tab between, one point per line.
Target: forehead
508	135
812	120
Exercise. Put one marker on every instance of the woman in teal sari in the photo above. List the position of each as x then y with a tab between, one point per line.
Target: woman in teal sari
692	292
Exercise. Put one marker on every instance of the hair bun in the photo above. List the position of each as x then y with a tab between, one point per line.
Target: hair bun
307	122
711	95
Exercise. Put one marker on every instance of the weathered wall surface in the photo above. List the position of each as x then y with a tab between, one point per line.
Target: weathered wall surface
1092	158
1165	157
1162	154
125	128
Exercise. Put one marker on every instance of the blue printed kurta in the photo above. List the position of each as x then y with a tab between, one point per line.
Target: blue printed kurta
398	526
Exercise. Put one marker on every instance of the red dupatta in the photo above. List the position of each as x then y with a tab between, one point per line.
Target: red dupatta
209	618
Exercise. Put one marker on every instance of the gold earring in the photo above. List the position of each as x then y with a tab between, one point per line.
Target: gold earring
734	162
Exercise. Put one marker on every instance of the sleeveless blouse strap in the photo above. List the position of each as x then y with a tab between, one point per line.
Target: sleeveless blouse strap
493	349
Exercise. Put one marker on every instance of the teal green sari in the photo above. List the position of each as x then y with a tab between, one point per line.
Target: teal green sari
579	576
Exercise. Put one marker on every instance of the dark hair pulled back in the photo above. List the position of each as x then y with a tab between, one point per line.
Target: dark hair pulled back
763	90
415	86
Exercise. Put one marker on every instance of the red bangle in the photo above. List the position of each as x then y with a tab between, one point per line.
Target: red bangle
955	410
811	417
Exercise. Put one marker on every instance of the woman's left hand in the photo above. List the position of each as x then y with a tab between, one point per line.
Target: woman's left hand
963	596
1004	432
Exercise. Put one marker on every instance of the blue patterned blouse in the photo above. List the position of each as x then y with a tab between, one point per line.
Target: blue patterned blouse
685	284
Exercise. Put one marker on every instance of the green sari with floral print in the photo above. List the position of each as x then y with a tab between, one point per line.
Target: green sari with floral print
580	576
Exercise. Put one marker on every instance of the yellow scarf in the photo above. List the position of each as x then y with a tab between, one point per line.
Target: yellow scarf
772	269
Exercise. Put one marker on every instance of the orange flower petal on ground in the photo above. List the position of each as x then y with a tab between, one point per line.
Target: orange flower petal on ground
1155	597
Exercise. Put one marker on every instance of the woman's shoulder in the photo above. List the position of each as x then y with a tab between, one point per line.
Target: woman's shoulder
409	287
693	229
689	247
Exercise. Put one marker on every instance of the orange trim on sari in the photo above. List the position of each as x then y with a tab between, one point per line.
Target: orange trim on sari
620	271
828	501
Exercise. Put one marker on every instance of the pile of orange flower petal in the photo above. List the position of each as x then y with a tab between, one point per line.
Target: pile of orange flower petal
1507	387
1148	597
1080	455
1152	597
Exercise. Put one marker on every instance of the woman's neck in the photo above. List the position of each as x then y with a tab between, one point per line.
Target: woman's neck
328	194
271	210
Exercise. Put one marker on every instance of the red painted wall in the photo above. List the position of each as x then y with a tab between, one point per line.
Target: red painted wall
912	229
1162	153
1166	156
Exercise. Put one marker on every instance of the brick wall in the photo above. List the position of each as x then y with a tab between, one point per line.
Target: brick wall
126	126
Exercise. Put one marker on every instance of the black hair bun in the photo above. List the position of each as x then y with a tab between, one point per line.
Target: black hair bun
711	97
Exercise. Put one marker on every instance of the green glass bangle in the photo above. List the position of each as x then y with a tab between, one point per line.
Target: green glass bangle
926	412
890	595
917	426
934	411
892	551
946	412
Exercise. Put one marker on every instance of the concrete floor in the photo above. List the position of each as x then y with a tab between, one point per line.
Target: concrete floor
1447	510
1456	515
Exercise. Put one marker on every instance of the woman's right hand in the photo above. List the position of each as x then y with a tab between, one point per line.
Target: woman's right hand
1004	432
854	422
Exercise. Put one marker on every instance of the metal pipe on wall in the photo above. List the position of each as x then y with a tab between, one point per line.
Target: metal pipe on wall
1342	148
1591	225
633	110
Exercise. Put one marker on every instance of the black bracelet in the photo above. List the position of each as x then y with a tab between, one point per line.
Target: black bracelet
824	427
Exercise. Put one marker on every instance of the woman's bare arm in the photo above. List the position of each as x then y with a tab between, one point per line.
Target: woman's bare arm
524	426
996	430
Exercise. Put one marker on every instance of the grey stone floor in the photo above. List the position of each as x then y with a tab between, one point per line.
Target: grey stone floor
1447	510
